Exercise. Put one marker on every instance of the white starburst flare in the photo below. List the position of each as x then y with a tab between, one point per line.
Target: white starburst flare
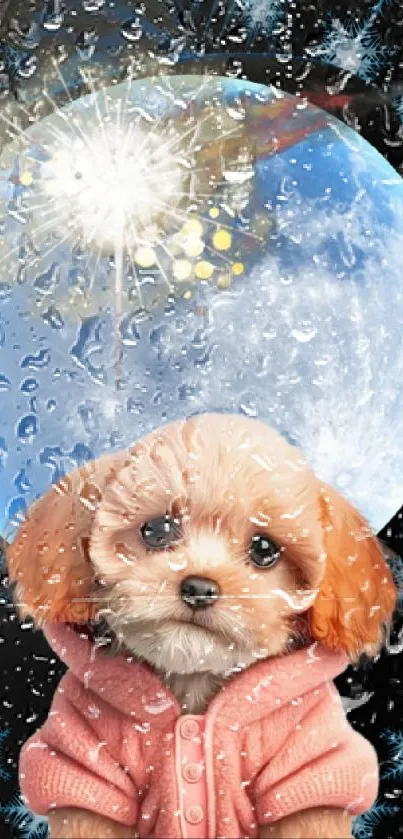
113	185
130	174
138	173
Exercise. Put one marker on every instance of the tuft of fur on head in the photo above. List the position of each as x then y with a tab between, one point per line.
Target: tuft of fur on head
226	478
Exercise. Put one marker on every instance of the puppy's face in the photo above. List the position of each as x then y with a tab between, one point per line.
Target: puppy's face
208	546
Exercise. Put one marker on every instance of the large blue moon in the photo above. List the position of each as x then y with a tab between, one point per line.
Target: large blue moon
185	244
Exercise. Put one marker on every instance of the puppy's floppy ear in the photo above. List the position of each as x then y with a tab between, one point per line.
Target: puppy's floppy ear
48	560
357	594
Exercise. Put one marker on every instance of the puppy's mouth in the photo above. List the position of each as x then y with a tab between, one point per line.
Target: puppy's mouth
192	621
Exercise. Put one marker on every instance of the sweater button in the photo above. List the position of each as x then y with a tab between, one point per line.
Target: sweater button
192	772
189	729
194	814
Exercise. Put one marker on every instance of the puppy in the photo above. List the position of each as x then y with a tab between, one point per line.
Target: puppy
204	589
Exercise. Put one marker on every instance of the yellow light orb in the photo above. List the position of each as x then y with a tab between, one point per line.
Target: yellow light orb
222	240
144	257
26	179
224	281
182	269
193	246
238	268
214	212
193	227
204	270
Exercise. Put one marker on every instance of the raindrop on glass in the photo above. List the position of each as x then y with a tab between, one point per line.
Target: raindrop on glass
5	291
29	386
47	282
27	67
3	451
131	29
37	361
22	482
86	43
16	511
53	16
27	427
53	318
5	383
93	5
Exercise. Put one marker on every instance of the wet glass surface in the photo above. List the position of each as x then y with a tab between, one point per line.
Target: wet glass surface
113	321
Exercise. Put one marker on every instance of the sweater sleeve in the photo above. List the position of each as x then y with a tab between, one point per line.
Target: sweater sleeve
66	764
323	762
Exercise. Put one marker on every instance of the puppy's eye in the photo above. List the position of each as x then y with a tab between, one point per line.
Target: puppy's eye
161	533
263	552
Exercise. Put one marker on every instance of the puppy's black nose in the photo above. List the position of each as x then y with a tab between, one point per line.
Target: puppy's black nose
199	592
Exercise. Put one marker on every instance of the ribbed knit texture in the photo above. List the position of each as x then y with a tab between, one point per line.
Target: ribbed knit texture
277	741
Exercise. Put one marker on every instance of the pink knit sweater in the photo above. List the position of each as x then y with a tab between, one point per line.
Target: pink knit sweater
274	741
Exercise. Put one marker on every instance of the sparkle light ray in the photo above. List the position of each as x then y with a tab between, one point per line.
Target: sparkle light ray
94	92
136	280
40	229
71	124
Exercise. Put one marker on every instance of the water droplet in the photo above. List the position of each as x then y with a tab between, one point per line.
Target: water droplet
27	67
129	330
93	712
135	406
47	282
93	5
5	291
179	565
27	428
238	173
53	16
305	334
131	29
90	343
3	452
22	482
16	511
122	552
86	43
2	335
26	33
53	318
350	704
37	361
29	386
55	578
161	704
4	82
5	383
60	462
248	405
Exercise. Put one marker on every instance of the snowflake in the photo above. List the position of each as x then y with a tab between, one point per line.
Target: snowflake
365	825
394	769
4	774
261	15
26	824
396	566
352	48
